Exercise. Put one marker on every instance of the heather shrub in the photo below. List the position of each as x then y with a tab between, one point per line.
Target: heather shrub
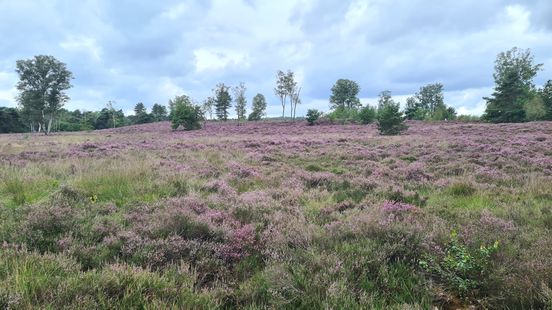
43	225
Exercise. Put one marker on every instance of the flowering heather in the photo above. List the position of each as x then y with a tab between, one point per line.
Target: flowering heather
278	215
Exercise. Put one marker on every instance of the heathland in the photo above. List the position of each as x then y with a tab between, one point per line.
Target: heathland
278	215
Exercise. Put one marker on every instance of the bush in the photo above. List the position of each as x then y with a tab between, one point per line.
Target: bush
462	269
390	120
187	115
312	116
367	114
254	116
342	116
468	118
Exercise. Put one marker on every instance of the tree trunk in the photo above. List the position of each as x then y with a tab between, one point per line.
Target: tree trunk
49	125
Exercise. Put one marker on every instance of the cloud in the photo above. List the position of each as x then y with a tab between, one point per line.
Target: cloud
148	52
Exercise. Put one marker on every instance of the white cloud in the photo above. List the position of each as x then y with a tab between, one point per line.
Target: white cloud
176	11
207	60
7	89
82	44
151	51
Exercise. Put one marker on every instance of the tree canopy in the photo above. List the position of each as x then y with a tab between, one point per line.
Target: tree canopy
223	101
513	76
345	95
43	81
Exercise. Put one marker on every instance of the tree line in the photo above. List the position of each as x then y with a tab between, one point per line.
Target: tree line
44	80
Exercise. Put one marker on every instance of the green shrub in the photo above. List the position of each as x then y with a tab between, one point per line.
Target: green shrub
342	116
462	269
367	114
186	115
312	116
391	120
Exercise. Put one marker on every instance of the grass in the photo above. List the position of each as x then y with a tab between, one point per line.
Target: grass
288	217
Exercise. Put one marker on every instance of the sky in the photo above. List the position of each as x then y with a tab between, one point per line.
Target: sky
150	51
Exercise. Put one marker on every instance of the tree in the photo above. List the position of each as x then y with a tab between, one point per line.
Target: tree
186	114
312	116
295	99
535	110
43	81
513	76
384	98
258	108
208	106
430	97
141	115
112	111
104	119
344	95
10	120
88	121
223	101
280	90
241	101
413	110
428	104
390	119
546	95
285	87
159	113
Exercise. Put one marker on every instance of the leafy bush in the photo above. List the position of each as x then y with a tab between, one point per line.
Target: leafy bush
343	115
367	114
460	268
390	120
468	118
187	115
312	116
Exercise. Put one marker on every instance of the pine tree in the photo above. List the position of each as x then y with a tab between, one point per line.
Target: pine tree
223	101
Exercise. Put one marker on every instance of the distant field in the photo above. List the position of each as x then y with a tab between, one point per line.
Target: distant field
278	215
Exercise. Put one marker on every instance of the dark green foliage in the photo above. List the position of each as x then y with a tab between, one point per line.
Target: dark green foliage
391	120
312	116
186	114
43	81
428	104
104	120
343	116
344	95
259	107
11	120
462	269
514	73
159	113
141	115
223	101
385	98
367	114
535	109
546	94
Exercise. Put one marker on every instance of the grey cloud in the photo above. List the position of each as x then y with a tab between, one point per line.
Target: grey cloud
132	51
